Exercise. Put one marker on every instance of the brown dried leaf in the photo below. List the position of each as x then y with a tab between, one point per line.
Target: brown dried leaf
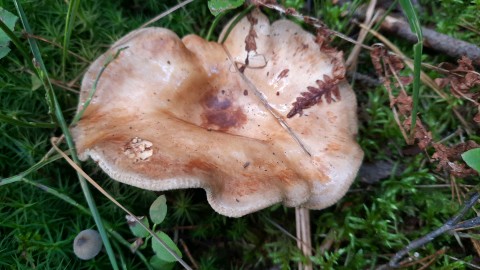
404	103
339	70
250	44
323	39
442	82
461	85
395	62
327	87
449	158
404	80
376	54
422	136
477	116
314	95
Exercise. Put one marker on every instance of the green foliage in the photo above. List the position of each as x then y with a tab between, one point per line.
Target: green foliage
158	210
218	6
136	229
161	252
160	264
162	259
472	158
9	20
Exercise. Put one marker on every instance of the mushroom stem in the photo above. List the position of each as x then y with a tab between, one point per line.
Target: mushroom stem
304	242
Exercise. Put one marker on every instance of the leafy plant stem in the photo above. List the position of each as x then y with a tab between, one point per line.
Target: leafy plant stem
215	23
54	107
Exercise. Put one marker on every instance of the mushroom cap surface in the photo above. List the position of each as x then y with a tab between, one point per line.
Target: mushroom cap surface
87	244
173	113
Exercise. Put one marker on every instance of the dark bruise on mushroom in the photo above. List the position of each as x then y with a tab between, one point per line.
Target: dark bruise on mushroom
172	113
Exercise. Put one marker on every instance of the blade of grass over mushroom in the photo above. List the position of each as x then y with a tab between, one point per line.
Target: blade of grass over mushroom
94	87
163	14
19	123
265	103
108	196
237	19
417	60
57	114
70	20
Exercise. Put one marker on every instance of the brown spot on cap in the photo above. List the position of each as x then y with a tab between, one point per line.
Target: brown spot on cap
245	92
283	74
220	114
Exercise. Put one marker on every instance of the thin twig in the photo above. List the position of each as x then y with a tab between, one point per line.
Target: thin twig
27	35
189	255
370	18
452	224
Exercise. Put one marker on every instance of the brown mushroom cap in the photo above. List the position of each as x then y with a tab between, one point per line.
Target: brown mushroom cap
173	113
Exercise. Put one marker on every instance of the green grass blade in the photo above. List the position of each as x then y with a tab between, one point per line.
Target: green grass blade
94	87
54	107
417	60
57	194
70	20
35	167
13	121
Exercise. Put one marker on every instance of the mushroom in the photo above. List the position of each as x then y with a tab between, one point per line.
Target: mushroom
87	244
173	113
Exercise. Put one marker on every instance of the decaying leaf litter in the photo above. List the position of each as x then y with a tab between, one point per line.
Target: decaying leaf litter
404	101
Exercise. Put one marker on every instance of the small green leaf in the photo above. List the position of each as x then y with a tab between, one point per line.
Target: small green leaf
158	210
36	82
218	6
161	252
9	20
136	228
472	158
159	264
